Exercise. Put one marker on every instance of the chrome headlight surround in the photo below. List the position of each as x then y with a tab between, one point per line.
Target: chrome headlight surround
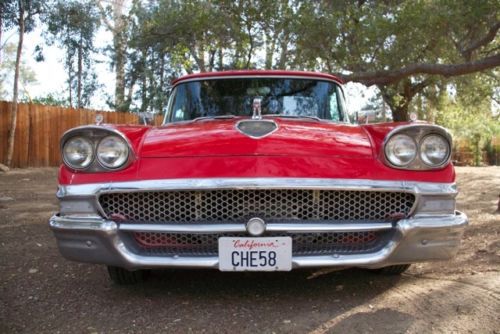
420	134
112	152
97	135
400	150
78	146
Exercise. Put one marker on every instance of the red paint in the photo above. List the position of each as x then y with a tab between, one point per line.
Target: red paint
257	73
221	138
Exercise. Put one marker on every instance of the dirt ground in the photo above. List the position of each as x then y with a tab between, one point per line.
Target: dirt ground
42	292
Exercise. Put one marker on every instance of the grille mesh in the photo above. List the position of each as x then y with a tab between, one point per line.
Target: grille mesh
240	205
158	243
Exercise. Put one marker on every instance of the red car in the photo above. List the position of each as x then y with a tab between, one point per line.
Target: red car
257	171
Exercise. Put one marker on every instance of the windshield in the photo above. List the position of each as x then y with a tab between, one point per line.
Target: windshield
279	96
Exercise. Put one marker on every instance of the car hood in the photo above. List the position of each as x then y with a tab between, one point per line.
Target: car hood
220	137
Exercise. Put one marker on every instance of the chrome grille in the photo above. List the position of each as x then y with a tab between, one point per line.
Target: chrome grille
271	204
169	244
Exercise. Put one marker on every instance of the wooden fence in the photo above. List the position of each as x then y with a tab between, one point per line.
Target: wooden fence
40	127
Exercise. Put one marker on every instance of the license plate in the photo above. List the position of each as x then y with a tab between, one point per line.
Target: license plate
255	254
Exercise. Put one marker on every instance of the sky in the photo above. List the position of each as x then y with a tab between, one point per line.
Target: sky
51	76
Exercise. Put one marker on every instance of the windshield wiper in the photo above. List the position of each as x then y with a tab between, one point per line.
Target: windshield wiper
295	116
213	117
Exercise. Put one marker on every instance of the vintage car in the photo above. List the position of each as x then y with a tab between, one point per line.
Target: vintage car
257	171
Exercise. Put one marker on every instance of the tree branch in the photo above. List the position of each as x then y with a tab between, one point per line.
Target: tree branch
467	53
386	77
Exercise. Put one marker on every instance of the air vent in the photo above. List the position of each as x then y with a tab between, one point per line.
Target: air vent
257	128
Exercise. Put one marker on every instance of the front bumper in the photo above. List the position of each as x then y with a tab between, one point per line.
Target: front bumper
423	238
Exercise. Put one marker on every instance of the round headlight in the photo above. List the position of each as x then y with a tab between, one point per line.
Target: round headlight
434	150
112	152
78	153
400	150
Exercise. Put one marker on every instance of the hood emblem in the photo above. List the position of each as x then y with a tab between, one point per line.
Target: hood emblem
257	108
256	129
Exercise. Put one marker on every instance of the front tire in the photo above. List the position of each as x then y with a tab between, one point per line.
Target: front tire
123	276
393	270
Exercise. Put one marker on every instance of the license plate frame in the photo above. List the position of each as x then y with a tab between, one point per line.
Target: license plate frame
255	253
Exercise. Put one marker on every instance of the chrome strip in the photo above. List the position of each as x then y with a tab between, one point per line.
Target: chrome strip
184	228
228	228
259	76
421	188
313	228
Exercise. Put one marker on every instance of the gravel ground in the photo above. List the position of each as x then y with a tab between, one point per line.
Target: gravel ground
42	292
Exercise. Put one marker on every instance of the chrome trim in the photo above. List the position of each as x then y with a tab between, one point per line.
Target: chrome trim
415	240
320	228
94	190
448	158
102	164
184	228
263	76
94	155
424	130
418	188
96	165
272	227
237	124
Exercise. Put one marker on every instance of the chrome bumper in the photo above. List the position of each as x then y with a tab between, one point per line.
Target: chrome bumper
422	238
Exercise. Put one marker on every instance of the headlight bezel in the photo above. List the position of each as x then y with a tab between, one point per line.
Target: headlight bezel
418	132
421	152
95	134
104	164
65	158
393	138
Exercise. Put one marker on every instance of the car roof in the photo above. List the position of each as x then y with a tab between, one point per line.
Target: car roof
257	73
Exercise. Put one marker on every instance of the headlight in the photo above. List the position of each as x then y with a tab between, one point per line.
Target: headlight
78	153
400	150
112	152
434	150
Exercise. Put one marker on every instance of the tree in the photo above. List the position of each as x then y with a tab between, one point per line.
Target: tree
399	46
73	25
21	14
118	22
26	74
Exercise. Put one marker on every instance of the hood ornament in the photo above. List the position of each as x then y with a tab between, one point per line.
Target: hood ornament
257	107
98	119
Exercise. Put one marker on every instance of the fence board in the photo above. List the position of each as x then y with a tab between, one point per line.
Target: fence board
39	129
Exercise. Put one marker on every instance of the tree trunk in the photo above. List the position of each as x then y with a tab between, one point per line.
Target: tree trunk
144	81
162	83
1	23
13	106
79	74
120	104
221	59
400	113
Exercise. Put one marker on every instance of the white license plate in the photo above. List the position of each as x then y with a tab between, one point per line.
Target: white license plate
255	254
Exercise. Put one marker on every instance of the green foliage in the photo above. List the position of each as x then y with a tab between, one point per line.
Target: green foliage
51	100
469	114
26	74
72	25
